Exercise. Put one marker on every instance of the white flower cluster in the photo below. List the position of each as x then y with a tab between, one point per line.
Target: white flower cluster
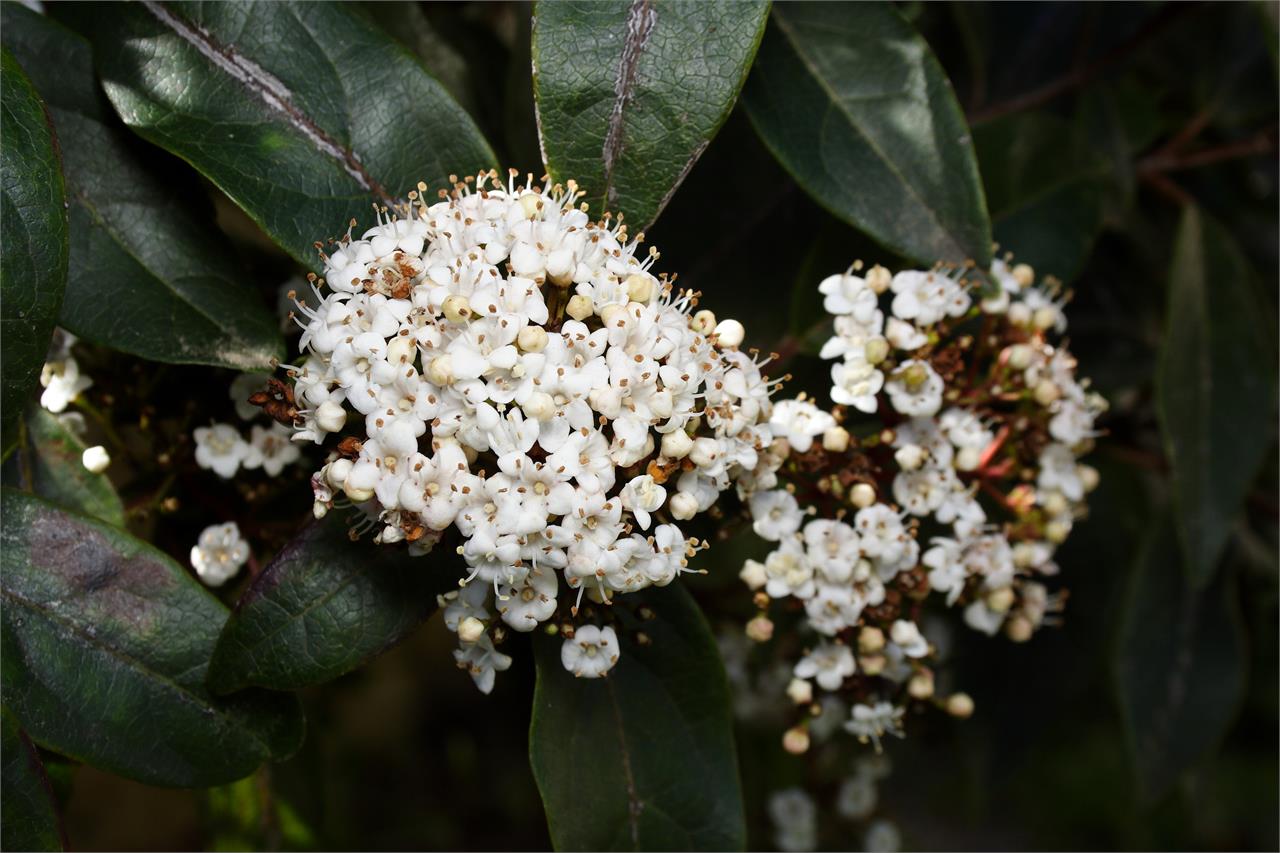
222	449
518	375
972	399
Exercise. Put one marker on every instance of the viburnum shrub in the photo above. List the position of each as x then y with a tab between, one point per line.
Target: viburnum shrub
720	533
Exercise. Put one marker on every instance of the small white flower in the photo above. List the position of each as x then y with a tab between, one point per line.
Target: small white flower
62	384
871	722
799	421
591	653
523	606
270	449
642	496
857	797
776	514
483	661
848	294
915	389
927	297
795	820
1058	471
221	449
829	664
882	837
219	553
907	636
856	383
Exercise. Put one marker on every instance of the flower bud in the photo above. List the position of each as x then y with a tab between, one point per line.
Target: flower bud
796	741
705	452
862	495
909	457
337	471
579	307
1047	392
1019	629
703	322
456	308
402	350
1019	314
676	444
1019	356
95	459
319	509
529	204
610	312
440	371
470	629
753	574
876	350
532	339
1024	275
1057	531
914	376
1044	318
683	506
921	685
960	706
730	333
878	279
539	406
1054	503
870	639
760	629
330	416
1000	600
1088	477
800	691
639	288
872	665
967	458
836	439
661	404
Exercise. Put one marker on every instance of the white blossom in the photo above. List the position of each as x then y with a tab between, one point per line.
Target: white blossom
62	383
220	448
219	553
592	651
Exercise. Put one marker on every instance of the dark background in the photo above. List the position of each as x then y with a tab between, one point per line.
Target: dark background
1169	105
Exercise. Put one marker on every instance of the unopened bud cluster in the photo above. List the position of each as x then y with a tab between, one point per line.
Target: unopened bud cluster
498	364
948	465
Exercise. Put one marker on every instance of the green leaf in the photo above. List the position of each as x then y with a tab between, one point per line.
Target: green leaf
642	759
1045	188
1180	665
249	815
105	645
58	473
1216	388
302	113
33	241
323	607
29	817
149	274
852	102
629	95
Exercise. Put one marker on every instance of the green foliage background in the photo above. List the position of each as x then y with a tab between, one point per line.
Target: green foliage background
1128	149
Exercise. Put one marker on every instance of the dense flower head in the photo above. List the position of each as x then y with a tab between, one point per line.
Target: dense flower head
498	368
946	474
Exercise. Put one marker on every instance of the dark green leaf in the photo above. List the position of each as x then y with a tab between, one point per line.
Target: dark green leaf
1045	189
642	759
629	95
853	103
33	240
29	816
148	274
58	473
106	642
1180	664
302	113
324	606
1216	385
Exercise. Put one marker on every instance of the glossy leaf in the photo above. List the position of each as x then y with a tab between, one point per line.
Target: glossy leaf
149	274
643	759
324	606
629	95
851	100
106	642
33	234
1216	384
58	473
303	113
1180	665
1045	188
29	817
